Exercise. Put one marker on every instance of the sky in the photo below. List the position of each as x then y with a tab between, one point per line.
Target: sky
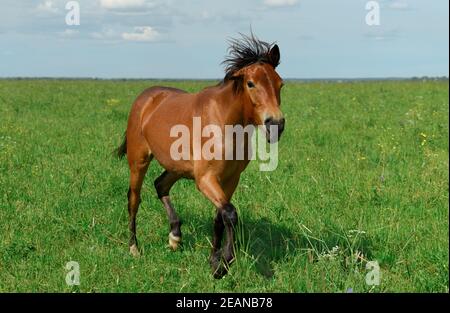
188	39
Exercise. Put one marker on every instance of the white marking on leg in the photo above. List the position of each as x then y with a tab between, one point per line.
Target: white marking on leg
134	251
174	241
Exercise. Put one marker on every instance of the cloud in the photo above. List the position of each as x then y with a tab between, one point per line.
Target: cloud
47	6
210	17
142	34
104	34
124	4
280	3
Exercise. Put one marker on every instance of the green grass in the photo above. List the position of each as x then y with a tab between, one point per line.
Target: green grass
362	166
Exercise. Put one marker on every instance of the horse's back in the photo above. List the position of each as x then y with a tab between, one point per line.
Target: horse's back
163	89
149	100
154	94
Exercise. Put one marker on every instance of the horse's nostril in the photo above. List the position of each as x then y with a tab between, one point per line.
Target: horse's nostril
268	121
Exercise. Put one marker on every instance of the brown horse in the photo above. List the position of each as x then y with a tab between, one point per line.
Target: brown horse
248	95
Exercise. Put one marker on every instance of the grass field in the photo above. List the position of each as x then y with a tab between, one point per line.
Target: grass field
362	176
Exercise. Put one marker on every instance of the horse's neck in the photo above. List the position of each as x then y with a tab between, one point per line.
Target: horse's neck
233	104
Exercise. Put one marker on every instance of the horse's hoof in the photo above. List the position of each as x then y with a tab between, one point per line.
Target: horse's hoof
174	241
220	271
218	268
134	251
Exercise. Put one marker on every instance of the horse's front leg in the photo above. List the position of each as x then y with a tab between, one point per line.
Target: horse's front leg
226	219
216	252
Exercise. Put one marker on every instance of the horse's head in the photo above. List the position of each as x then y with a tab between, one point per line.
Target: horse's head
252	68
262	85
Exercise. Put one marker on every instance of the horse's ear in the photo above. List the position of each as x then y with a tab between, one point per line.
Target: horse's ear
274	56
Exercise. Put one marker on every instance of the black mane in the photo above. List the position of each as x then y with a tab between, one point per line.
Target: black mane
246	51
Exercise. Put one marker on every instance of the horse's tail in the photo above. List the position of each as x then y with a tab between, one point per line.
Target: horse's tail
122	149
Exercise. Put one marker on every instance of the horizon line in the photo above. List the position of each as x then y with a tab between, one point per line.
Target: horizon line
440	77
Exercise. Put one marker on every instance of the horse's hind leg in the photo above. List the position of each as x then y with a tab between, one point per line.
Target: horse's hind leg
163	184
138	168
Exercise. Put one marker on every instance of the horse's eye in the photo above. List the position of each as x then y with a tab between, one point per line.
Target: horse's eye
250	84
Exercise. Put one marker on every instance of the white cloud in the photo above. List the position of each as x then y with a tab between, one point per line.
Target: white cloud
105	33
280	3
143	33
123	4
47	6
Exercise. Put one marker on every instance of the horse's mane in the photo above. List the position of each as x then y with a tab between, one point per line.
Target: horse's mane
246	51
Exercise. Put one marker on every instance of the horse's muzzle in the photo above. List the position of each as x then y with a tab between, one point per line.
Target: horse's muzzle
274	129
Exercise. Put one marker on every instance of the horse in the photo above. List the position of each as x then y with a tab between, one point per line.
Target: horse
249	94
